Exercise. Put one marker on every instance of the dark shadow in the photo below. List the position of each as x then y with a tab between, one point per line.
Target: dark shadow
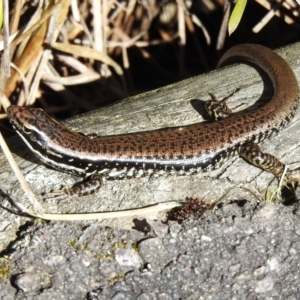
18	147
14	210
142	226
288	193
199	107
13	280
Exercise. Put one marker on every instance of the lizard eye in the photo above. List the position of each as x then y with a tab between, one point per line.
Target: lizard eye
26	130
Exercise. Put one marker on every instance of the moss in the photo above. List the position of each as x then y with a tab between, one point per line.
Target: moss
110	236
98	256
4	271
135	247
117	278
83	247
79	247
109	256
121	245
4	258
41	221
73	242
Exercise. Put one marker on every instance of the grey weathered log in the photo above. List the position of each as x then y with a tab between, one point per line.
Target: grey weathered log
176	105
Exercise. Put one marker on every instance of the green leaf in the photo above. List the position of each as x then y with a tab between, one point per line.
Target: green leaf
236	15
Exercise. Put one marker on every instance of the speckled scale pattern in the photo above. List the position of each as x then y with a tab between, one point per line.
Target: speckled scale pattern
194	147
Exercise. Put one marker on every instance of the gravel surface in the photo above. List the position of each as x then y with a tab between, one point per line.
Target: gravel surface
248	251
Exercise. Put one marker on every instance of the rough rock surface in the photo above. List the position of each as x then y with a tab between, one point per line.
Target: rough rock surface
240	251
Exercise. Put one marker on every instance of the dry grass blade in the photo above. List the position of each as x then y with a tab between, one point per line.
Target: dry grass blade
109	32
88	53
224	24
15	18
6	54
32	49
289	10
24	94
73	80
27	190
151	210
265	20
99	25
92	32
46	15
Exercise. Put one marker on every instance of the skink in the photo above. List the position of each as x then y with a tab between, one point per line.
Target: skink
181	150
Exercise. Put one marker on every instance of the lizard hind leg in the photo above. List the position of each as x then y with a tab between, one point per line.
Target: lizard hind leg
218	110
253	154
288	179
84	188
